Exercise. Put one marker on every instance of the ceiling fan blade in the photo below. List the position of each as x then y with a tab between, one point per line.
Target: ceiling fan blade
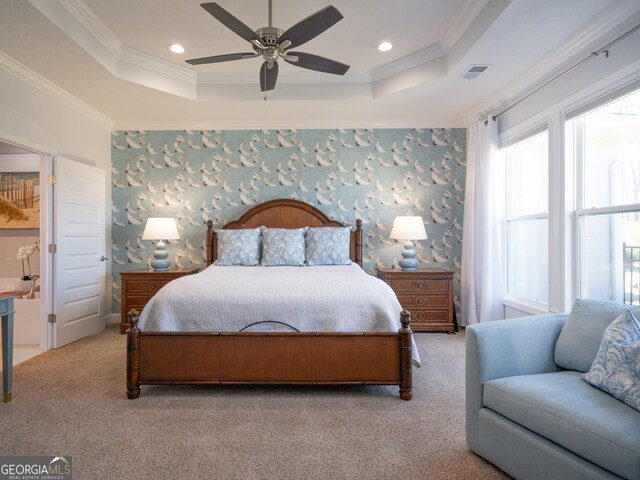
311	27
221	58
314	62
268	76
229	21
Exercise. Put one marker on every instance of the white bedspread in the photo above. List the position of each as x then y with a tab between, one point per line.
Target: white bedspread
340	298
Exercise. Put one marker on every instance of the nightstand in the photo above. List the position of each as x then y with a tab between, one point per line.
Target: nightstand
138	286
427	293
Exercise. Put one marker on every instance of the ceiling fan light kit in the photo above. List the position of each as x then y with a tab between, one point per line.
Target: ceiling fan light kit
272	43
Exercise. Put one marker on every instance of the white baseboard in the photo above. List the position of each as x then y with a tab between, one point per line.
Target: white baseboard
113	319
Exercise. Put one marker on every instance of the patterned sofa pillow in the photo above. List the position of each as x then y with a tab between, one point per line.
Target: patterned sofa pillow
616	368
283	246
238	247
328	246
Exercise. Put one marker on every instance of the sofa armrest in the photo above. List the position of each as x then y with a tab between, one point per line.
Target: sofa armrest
505	348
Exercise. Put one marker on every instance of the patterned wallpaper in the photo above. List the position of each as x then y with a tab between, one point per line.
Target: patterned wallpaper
373	175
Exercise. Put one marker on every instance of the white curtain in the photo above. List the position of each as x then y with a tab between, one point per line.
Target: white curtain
482	276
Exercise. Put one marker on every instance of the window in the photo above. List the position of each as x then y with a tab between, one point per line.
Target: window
604	143
527	217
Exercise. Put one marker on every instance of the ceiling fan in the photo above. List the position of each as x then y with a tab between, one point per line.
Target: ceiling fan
272	43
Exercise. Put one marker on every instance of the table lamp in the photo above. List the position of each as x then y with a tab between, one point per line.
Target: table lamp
160	229
408	228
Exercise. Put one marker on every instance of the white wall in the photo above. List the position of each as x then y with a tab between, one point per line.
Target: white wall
37	116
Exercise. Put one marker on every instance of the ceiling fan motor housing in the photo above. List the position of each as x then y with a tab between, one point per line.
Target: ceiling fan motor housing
269	35
269	38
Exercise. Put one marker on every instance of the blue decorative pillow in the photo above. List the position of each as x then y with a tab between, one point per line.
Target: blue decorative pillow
581	336
328	246
283	246
238	247
616	369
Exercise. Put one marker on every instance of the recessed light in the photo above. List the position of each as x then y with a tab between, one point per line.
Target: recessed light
176	48
385	47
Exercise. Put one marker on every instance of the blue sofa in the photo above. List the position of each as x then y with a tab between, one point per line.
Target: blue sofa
528	411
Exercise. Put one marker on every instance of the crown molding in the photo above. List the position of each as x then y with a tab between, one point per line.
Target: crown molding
24	73
92	24
157	65
468	14
578	45
301	77
287	125
410	61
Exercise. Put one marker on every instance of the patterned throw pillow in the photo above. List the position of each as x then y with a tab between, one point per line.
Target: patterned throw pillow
616	369
283	246
238	247
328	246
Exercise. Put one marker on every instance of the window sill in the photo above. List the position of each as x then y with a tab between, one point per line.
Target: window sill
529	306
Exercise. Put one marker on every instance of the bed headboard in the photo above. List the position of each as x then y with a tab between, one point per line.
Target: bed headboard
284	213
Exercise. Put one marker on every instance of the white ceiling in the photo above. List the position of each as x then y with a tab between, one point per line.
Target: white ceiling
113	56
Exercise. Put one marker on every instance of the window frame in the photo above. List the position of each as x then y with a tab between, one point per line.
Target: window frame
564	233
510	218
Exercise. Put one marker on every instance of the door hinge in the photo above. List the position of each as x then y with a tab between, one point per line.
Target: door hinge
53	248
52	318
53	179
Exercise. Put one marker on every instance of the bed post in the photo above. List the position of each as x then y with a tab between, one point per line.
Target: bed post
359	241
133	355
209	244
406	380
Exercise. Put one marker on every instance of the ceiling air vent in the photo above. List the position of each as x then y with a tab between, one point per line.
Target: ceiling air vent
473	71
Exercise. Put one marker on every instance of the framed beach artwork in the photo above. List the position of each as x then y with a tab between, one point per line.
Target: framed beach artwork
19	200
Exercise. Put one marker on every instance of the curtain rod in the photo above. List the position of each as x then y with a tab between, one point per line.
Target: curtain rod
604	50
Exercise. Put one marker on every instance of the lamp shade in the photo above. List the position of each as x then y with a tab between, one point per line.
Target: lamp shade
408	228
161	229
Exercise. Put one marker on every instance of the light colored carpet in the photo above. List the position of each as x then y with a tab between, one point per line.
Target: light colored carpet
72	401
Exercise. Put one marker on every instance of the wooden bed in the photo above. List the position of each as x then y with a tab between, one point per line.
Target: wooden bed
315	358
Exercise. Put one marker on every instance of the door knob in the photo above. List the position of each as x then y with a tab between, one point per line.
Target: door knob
103	258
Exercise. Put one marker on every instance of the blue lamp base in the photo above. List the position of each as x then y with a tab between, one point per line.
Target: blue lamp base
409	262
160	261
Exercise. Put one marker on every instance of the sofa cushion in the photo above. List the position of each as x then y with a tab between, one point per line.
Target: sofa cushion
580	337
563	408
616	369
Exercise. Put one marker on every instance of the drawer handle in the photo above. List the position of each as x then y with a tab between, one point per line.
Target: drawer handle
419	316
419	285
420	300
153	286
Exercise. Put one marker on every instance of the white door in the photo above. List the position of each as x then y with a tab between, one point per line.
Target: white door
79	266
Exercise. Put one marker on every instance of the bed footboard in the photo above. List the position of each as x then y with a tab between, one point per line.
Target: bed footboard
316	358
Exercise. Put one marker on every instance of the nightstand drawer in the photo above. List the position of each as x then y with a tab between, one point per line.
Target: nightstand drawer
417	285
412	301
137	301
144	286
429	316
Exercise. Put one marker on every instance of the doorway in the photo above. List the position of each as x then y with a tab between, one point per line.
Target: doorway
22	234
55	207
